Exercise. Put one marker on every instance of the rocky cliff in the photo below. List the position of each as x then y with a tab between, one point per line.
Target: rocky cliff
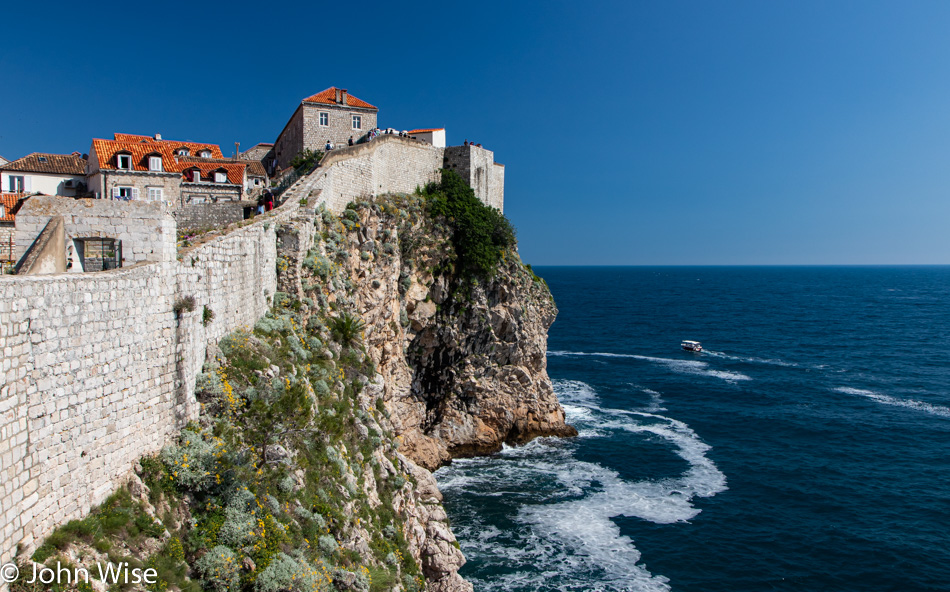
382	358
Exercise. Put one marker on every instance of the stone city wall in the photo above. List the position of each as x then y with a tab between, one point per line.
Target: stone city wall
211	215
98	369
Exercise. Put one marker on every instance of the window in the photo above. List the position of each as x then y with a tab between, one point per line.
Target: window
155	194
324	118
125	193
16	184
42	159
195	176
357	122
198	199
154	163
124	161
205	154
3	211
99	254
220	177
183	152
257	182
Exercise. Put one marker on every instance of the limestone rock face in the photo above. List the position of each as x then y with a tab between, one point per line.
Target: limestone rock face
463	367
460	368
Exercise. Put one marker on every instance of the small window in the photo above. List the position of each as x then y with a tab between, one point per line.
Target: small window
357	122
324	118
220	177
16	184
125	193
257	182
124	161
42	159
155	194
205	154
3	211
154	163
195	176
183	152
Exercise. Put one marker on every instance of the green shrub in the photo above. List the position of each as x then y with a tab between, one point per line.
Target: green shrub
346	329
480	234
219	570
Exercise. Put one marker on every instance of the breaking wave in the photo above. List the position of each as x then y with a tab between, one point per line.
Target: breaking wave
562	509
681	366
930	408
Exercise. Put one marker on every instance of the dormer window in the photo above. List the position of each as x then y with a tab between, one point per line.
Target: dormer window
220	177
183	152
124	161
205	154
42	159
3	211
195	176
155	163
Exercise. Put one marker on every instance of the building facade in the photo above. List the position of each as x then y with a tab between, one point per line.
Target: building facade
49	174
332	115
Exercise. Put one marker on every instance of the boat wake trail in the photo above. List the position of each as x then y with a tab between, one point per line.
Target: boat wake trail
750	360
930	408
561	509
681	366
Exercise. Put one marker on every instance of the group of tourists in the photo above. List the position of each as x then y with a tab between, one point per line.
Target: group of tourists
265	202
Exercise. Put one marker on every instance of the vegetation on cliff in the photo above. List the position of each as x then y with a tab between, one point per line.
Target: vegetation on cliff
293	478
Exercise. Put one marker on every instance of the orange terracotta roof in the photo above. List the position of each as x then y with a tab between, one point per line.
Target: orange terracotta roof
9	201
106	150
328	97
254	167
41	162
235	171
423	131
193	147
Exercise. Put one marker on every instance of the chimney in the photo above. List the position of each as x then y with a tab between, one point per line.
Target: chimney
337	98
158	137
237	150
344	97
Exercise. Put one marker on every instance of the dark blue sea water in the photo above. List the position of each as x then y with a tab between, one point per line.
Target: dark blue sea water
807	449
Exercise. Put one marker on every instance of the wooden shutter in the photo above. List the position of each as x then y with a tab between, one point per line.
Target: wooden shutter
135	193
115	193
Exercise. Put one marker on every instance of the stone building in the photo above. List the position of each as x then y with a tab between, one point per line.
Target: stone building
262	153
142	168
50	174
133	171
332	115
255	177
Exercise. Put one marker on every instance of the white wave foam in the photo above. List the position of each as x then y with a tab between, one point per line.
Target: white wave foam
682	366
930	408
567	531
750	360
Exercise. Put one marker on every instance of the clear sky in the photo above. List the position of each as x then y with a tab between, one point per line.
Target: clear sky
662	132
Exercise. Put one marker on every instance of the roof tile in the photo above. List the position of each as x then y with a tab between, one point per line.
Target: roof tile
328	97
41	162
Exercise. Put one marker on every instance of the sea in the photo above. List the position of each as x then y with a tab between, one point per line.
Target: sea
807	447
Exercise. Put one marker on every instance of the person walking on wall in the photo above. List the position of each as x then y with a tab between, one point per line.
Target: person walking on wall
260	204
351	140
268	200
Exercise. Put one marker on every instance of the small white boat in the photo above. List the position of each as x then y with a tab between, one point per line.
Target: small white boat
693	346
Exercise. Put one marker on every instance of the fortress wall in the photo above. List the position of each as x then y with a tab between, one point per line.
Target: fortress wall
98	370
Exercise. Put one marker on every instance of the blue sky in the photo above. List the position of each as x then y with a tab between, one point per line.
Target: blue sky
781	132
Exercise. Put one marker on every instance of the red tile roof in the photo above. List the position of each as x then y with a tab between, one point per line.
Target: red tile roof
423	131
41	162
193	147
106	150
328	97
9	202
254	167
235	171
